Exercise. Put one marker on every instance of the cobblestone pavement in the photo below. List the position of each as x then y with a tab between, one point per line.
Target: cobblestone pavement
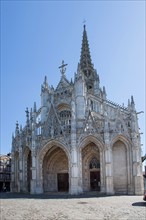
63	207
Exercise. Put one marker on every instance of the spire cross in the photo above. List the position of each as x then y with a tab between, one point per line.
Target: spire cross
84	21
62	67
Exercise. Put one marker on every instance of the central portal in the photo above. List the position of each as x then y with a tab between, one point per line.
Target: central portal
63	184
95	180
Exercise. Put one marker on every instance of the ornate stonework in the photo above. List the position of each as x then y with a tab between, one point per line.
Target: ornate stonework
78	140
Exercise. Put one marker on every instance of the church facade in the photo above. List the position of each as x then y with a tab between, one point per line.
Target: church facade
78	140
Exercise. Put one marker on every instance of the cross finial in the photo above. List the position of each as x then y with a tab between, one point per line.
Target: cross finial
84	21
62	68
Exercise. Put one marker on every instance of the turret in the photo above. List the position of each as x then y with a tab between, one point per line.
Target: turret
34	107
17	129
96	83
132	103
104	93
13	137
134	119
44	99
27	117
80	83
44	92
13	143
129	105
21	129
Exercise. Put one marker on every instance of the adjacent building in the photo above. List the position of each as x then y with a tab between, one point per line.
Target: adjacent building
5	172
78	140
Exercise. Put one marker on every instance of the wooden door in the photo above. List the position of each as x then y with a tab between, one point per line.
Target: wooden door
63	184
95	180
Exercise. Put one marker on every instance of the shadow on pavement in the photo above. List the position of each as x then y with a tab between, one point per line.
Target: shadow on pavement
139	204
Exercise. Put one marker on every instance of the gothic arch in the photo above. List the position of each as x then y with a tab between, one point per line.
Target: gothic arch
120	166
54	164
123	139
26	151
90	174
63	106
99	147
49	145
128	156
91	138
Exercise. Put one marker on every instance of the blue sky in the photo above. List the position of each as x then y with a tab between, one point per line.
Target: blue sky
37	35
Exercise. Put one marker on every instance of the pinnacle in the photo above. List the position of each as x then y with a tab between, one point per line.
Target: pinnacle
85	58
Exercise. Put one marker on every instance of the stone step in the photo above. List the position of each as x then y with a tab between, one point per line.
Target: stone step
67	195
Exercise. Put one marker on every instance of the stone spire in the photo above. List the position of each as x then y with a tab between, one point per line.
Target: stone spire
34	107
85	58
132	100
132	103
27	117
129	104
45	85
17	129
21	128
104	93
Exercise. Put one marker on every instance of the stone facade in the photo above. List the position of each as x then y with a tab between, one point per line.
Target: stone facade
78	140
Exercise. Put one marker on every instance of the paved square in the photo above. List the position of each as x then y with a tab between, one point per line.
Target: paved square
46	207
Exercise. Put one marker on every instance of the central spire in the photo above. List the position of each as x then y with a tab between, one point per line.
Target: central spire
85	58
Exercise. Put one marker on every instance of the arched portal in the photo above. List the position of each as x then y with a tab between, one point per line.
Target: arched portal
120	175
91	167
55	170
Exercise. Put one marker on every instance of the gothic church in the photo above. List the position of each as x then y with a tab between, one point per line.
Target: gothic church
78	140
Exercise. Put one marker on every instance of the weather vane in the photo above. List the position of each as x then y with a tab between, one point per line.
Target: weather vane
62	67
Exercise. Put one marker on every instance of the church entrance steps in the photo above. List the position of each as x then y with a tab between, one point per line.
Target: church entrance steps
67	195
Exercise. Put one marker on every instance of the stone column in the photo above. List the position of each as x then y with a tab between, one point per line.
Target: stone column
20	171
33	170
109	172
24	173
102	172
108	161
12	173
74	172
34	167
137	169
74	167
136	151
16	172
39	176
